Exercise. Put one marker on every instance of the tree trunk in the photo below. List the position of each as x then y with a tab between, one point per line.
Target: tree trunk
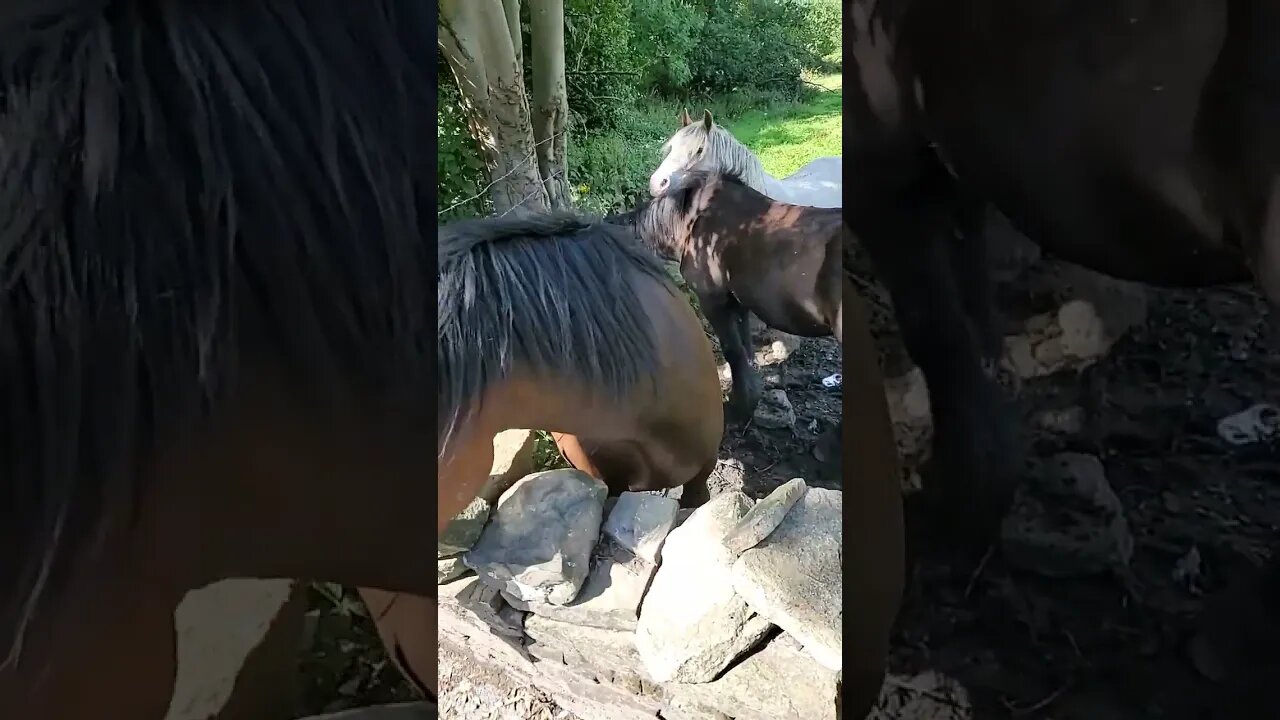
476	41
511	8
550	102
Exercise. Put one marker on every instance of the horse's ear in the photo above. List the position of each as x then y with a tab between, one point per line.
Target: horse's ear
684	118
707	122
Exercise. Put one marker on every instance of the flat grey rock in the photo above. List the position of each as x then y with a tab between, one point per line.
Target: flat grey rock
780	682
537	545
764	517
692	624
793	577
449	569
609	599
512	460
640	522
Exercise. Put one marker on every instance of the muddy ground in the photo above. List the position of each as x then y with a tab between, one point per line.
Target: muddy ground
1022	646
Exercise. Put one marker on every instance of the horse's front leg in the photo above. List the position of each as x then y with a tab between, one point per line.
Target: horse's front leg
907	230
971	268
731	322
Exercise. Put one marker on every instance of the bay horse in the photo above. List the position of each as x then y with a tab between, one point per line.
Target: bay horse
1140	140
742	253
556	322
711	146
214	356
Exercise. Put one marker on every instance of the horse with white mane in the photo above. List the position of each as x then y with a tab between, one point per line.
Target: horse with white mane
817	184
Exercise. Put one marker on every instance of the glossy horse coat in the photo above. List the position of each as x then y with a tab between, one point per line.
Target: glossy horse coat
743	253
566	325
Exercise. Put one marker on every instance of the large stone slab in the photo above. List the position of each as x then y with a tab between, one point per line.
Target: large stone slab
512	460
692	623
640	522
780	682
449	569
537	545
480	605
764	517
610	654
610	598
793	577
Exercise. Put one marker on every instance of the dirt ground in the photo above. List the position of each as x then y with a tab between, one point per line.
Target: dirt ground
1025	646
1021	645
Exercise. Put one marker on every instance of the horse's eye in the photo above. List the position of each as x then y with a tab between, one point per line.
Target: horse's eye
700	147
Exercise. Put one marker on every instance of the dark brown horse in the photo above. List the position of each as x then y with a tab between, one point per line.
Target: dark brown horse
1139	139
557	323
214	353
742	252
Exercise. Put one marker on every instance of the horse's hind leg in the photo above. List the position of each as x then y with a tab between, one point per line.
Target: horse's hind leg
732	324
970	264
1238	132
906	228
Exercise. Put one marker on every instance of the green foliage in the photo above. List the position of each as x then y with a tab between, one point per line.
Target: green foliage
546	454
753	44
819	30
460	169
665	35
630	65
599	64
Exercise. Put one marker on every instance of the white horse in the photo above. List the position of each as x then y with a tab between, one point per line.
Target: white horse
818	184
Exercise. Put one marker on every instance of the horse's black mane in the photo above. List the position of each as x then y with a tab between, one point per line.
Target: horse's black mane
551	293
656	220
162	164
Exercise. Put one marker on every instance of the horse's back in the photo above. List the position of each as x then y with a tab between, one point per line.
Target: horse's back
828	169
1085	139
819	183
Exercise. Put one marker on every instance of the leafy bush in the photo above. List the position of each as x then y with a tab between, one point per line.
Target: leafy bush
665	32
751	44
460	169
599	63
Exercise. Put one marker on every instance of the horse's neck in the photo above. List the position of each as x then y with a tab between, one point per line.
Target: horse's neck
754	175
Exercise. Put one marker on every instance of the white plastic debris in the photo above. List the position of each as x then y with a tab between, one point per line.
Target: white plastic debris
1256	424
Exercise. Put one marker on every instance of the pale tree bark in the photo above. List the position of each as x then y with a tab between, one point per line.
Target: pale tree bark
550	101
476	41
511	8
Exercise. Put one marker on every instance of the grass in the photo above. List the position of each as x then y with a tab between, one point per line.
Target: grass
789	137
610	170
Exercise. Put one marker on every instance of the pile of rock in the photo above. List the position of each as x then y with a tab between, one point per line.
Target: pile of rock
631	608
